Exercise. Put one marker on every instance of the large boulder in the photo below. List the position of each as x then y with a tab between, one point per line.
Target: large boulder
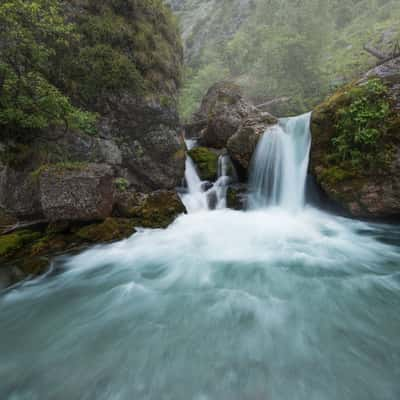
224	108
242	144
355	154
76	192
154	210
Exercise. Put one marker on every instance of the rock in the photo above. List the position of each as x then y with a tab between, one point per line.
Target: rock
224	108
154	210
212	199
205	186
109	230
243	143
194	130
365	183
206	162
76	192
236	197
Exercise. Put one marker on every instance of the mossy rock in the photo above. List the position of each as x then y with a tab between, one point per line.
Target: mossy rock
11	243
206	162
157	210
109	230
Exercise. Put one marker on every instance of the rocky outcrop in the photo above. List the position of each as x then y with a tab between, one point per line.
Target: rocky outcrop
355	154
224	108
243	143
228	121
27	252
99	183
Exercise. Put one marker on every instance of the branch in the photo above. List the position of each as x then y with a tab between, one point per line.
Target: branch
274	101
376	53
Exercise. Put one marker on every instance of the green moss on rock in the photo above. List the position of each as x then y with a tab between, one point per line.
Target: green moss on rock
157	210
206	162
11	243
109	230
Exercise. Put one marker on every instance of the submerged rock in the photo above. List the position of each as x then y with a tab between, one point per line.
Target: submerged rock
236	197
355	154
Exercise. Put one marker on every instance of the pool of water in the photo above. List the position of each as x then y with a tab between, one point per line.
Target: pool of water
230	305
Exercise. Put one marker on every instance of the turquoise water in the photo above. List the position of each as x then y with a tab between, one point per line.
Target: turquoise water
222	305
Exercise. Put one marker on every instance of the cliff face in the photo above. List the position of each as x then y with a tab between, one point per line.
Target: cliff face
113	148
356	144
126	73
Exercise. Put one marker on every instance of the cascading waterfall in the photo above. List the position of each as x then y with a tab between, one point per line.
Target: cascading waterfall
200	196
280	163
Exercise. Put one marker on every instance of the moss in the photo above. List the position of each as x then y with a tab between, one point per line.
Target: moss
109	230
334	175
157	210
11	243
59	168
17	155
206	162
121	184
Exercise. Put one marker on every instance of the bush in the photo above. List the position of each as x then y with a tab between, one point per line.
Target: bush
361	126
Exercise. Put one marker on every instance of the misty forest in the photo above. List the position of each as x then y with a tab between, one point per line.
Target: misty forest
199	199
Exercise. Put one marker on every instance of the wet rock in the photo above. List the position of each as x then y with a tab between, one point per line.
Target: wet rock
206	186
243	143
212	199
236	197
150	210
109	230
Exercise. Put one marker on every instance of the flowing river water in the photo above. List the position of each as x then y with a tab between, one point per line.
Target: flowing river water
281	302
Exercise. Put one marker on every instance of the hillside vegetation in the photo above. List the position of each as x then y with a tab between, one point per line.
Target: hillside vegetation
58	58
273	48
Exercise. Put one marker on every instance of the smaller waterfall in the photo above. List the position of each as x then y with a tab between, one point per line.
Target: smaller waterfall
221	185
202	196
279	166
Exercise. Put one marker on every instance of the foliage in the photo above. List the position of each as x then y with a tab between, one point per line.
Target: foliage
121	184
34	38
362	124
60	61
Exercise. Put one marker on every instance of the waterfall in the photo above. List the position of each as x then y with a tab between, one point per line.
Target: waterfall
279	166
203	196
221	185
195	199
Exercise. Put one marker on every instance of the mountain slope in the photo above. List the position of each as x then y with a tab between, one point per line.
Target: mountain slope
301	50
